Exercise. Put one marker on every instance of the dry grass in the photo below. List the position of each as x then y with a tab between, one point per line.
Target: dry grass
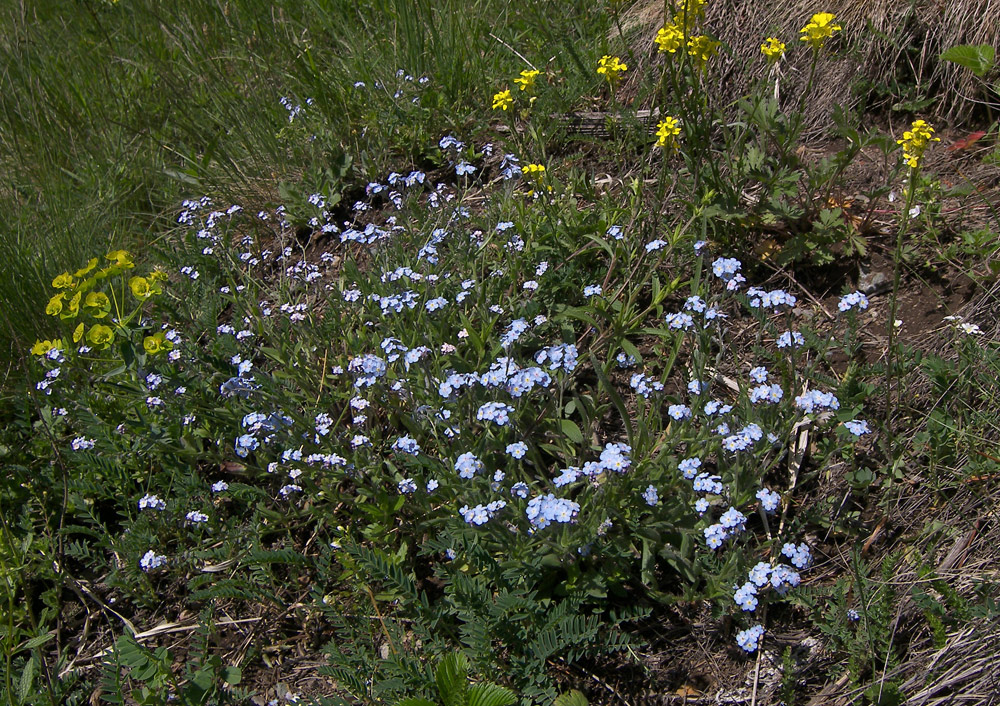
882	41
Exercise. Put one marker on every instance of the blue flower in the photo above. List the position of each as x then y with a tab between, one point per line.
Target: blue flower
746	597
592	290
750	638
517	450
151	560
468	465
768	499
496	412
520	490
858	427
546	509
679	412
790	339
852	301
650	495
689	467
407	445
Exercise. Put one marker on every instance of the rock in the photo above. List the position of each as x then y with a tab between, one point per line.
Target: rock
872	283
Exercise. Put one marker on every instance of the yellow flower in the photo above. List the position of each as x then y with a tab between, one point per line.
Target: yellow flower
100	336
99	303
140	288
63	281
702	48
669	38
43	347
78	333
689	13
611	67
121	258
156	343
773	48
503	100
667	131
533	171
915	141
72	307
527	79
91	264
818	30
55	305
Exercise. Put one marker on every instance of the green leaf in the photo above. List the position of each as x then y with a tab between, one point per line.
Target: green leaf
24	686
977	58
416	701
232	675
571	698
452	678
38	641
490	695
571	430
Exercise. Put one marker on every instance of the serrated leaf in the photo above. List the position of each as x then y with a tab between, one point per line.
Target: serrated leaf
977	58
24	685
490	695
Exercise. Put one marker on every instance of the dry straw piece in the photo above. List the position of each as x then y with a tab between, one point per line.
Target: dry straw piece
881	41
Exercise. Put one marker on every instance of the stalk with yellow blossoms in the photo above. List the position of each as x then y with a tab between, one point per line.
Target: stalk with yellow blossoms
915	141
667	131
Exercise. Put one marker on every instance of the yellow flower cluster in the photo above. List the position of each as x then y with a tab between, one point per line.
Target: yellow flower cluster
77	292
611	67
669	38
702	48
503	100
773	48
819	29
527	79
533	171
915	141
667	131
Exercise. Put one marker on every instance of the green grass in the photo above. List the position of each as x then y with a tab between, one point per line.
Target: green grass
110	113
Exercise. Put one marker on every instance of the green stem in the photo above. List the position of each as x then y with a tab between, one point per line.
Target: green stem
890	409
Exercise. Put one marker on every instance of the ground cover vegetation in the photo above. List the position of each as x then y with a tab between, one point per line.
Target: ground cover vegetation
429	353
